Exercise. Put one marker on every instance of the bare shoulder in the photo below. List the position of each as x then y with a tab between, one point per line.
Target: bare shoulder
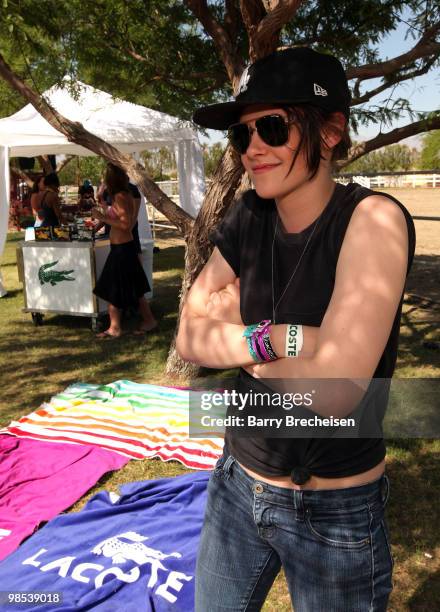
378	213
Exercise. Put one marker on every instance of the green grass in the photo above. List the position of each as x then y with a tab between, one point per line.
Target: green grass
38	362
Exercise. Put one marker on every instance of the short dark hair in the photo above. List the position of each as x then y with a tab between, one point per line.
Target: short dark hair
116	179
52	180
311	122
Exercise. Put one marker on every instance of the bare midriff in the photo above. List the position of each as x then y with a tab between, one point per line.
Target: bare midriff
317	482
117	234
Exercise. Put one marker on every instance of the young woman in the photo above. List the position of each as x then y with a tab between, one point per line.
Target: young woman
47	202
321	267
122	282
37	188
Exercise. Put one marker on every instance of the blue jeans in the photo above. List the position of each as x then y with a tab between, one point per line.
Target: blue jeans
332	545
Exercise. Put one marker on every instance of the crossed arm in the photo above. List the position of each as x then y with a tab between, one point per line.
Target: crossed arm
369	282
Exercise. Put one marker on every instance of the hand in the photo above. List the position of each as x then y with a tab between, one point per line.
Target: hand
224	305
253	370
97	214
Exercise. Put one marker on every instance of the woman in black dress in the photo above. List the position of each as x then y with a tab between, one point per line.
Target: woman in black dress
123	282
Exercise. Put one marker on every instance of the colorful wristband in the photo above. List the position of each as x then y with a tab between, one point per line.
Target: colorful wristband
269	348
258	341
248	334
262	334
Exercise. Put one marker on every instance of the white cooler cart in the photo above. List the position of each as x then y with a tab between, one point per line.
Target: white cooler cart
59	277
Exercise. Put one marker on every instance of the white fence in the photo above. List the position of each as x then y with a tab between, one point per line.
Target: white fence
416	179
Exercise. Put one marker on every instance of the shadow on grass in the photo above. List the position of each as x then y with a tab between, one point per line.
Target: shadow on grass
424	275
415	483
427	593
11	293
167	257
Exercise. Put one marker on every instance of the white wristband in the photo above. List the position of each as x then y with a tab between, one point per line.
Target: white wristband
294	340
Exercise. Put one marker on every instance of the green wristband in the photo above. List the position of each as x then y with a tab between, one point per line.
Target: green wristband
248	333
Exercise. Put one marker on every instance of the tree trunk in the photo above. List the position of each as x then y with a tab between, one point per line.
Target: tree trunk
21	174
45	164
220	195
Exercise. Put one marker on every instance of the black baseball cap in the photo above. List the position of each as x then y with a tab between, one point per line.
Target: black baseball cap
296	75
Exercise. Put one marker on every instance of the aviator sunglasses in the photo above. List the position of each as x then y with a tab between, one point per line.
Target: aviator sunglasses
272	129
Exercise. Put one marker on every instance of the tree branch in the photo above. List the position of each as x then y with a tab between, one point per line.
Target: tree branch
381	140
22	175
61	165
279	13
232	19
427	45
76	133
231	59
397	79
253	12
220	78
45	164
263	20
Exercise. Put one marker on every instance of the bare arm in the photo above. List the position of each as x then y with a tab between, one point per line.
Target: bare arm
211	331
35	204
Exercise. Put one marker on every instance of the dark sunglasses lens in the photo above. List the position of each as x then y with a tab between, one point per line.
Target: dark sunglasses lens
238	136
273	129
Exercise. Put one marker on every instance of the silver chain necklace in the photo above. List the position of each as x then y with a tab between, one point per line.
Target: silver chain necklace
275	306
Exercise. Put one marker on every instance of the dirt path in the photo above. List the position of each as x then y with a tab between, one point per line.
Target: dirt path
424	278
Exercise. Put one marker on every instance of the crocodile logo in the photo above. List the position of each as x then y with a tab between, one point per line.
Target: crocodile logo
129	546
45	275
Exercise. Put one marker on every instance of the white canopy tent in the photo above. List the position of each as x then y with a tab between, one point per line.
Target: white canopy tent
129	127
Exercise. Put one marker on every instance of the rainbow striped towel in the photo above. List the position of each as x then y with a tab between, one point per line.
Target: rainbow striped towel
136	420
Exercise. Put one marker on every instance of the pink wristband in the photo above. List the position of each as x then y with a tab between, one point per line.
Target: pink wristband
262	349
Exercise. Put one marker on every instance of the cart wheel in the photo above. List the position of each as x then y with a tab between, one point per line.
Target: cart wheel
37	318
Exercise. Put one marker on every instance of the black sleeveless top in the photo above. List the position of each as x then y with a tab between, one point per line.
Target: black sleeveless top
49	216
244	238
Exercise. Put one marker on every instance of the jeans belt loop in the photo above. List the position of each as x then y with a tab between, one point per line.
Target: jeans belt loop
228	465
298	501
385	490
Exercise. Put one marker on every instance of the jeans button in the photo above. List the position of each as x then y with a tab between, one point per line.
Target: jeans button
300	475
258	488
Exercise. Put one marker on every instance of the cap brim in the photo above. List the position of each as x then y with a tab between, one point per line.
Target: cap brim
218	116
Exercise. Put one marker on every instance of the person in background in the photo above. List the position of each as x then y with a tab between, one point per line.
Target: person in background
86	197
105	200
123	282
37	189
48	202
102	194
